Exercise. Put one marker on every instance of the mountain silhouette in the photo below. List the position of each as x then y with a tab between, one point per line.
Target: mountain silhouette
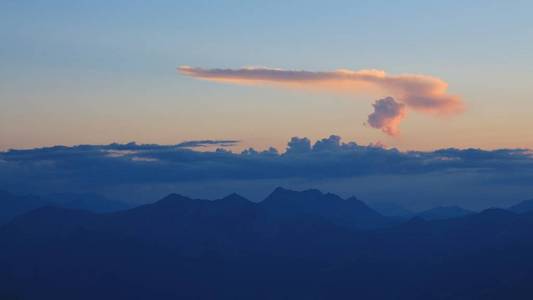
351	212
391	209
297	245
522	207
443	212
85	201
12	205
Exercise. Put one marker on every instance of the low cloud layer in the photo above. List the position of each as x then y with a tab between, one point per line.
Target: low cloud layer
420	93
141	168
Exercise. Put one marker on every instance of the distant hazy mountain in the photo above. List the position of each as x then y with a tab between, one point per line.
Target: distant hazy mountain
351	212
391	209
443	212
13	205
522	207
88	201
293	245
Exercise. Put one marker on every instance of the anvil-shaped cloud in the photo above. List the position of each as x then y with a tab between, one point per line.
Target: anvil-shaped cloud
421	93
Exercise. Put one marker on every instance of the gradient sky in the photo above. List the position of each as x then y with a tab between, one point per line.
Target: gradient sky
83	72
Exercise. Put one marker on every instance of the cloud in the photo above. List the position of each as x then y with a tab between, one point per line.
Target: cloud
422	93
206	143
387	115
332	143
326	158
298	145
142	169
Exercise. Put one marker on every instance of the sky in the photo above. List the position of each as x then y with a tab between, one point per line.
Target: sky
421	103
98	72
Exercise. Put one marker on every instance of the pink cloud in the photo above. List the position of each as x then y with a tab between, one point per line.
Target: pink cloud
422	93
387	115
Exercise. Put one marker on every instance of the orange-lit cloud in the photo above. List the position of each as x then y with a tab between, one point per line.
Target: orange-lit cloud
387	115
421	93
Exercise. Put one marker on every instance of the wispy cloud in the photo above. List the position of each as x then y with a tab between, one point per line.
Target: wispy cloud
420	93
207	143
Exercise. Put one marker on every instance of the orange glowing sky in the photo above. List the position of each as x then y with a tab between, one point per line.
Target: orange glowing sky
69	78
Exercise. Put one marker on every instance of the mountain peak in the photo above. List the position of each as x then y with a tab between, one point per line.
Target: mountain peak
174	196
281	191
290	204
496	212
234	198
352	198
522	207
284	193
173	199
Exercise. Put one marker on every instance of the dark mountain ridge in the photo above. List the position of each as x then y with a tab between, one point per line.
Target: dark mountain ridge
351	212
12	205
444	212
522	207
292	245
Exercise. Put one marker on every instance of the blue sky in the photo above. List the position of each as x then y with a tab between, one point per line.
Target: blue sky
77	72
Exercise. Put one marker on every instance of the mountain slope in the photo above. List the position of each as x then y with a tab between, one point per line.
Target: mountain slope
351	212
86	201
391	209
443	212
12	205
522	207
231	248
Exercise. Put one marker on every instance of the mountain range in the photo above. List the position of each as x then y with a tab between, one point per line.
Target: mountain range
292	245
12	205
